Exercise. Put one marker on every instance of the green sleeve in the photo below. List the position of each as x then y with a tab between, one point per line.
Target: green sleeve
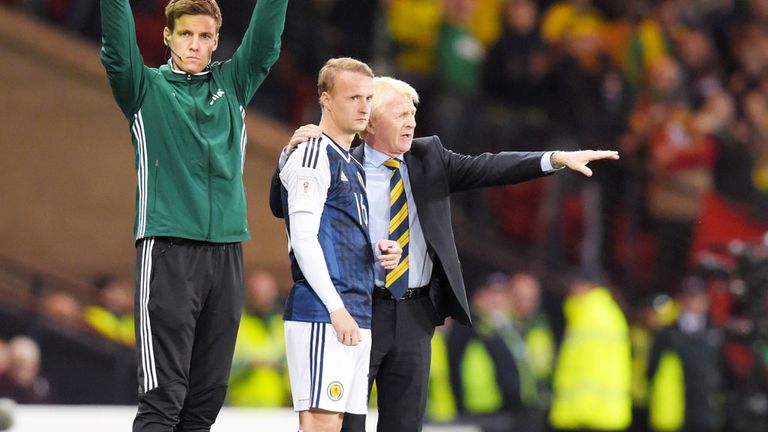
259	49
120	54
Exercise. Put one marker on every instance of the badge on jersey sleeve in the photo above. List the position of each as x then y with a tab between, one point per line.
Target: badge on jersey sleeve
305	187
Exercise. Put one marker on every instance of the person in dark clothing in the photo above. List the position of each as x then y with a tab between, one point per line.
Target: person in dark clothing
696	345
187	121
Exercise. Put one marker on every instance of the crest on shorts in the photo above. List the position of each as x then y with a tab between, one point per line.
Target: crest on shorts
335	391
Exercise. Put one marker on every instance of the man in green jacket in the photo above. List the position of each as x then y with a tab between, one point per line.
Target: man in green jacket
188	131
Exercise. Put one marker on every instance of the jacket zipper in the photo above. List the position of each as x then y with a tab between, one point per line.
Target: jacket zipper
208	147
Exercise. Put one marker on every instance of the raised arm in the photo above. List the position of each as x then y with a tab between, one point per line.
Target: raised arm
120	54
259	49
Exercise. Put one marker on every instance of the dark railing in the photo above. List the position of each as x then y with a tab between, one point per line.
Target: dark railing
81	366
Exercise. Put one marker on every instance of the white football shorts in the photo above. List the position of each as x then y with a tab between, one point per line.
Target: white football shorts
325	373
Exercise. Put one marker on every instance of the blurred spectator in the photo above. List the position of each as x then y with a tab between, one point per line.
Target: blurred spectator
487	20
258	376
538	347
5	360
591	381
459	60
651	39
413	27
518	63
459	52
498	366
571	18
684	367
23	382
112	317
63	309
441	403
681	155
653	313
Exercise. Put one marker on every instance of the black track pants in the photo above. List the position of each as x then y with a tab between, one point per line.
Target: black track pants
188	302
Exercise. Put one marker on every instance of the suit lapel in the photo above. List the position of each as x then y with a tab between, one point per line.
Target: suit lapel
416	179
359	153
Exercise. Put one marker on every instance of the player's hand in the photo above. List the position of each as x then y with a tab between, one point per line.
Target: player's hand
347	331
390	253
578	160
302	134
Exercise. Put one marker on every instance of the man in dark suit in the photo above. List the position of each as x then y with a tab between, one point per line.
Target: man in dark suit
423	173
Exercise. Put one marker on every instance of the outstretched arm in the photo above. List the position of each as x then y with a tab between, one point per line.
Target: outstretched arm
578	160
120	54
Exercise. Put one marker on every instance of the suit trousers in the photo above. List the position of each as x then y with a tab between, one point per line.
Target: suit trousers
188	303
400	358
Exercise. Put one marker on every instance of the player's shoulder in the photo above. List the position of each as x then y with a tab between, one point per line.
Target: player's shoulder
309	154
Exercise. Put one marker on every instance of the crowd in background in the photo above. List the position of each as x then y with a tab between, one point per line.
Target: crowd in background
573	355
679	87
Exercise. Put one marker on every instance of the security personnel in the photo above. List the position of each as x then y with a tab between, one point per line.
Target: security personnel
258	377
684	367
441	405
112	317
591	383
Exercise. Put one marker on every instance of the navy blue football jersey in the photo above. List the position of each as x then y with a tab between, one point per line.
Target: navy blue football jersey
322	178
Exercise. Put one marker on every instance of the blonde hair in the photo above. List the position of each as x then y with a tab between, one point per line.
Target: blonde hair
384	89
331	68
177	8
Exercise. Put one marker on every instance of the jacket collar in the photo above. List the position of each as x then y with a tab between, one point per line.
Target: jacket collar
176	75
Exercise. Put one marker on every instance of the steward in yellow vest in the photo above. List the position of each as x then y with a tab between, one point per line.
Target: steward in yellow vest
258	377
591	383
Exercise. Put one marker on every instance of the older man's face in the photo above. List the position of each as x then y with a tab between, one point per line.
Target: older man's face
391	126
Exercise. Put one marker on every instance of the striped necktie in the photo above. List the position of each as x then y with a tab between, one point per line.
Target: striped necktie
397	279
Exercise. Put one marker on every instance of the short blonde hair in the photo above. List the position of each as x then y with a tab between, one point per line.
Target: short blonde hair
327	75
384	89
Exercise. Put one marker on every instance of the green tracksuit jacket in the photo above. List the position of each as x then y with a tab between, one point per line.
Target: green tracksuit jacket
188	131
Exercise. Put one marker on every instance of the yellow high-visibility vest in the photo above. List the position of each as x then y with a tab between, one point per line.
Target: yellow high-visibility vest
667	394
591	383
258	377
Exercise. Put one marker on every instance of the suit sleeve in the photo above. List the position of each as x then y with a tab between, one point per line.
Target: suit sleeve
275	198
120	54
259	49
488	169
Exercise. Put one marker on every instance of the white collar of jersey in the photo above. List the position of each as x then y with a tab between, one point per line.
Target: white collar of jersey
377	158
207	70
343	153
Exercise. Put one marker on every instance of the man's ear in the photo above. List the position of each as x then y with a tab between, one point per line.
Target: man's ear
370	128
325	101
166	35
215	42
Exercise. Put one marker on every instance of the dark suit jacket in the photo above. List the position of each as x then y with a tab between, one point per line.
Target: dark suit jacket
434	174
